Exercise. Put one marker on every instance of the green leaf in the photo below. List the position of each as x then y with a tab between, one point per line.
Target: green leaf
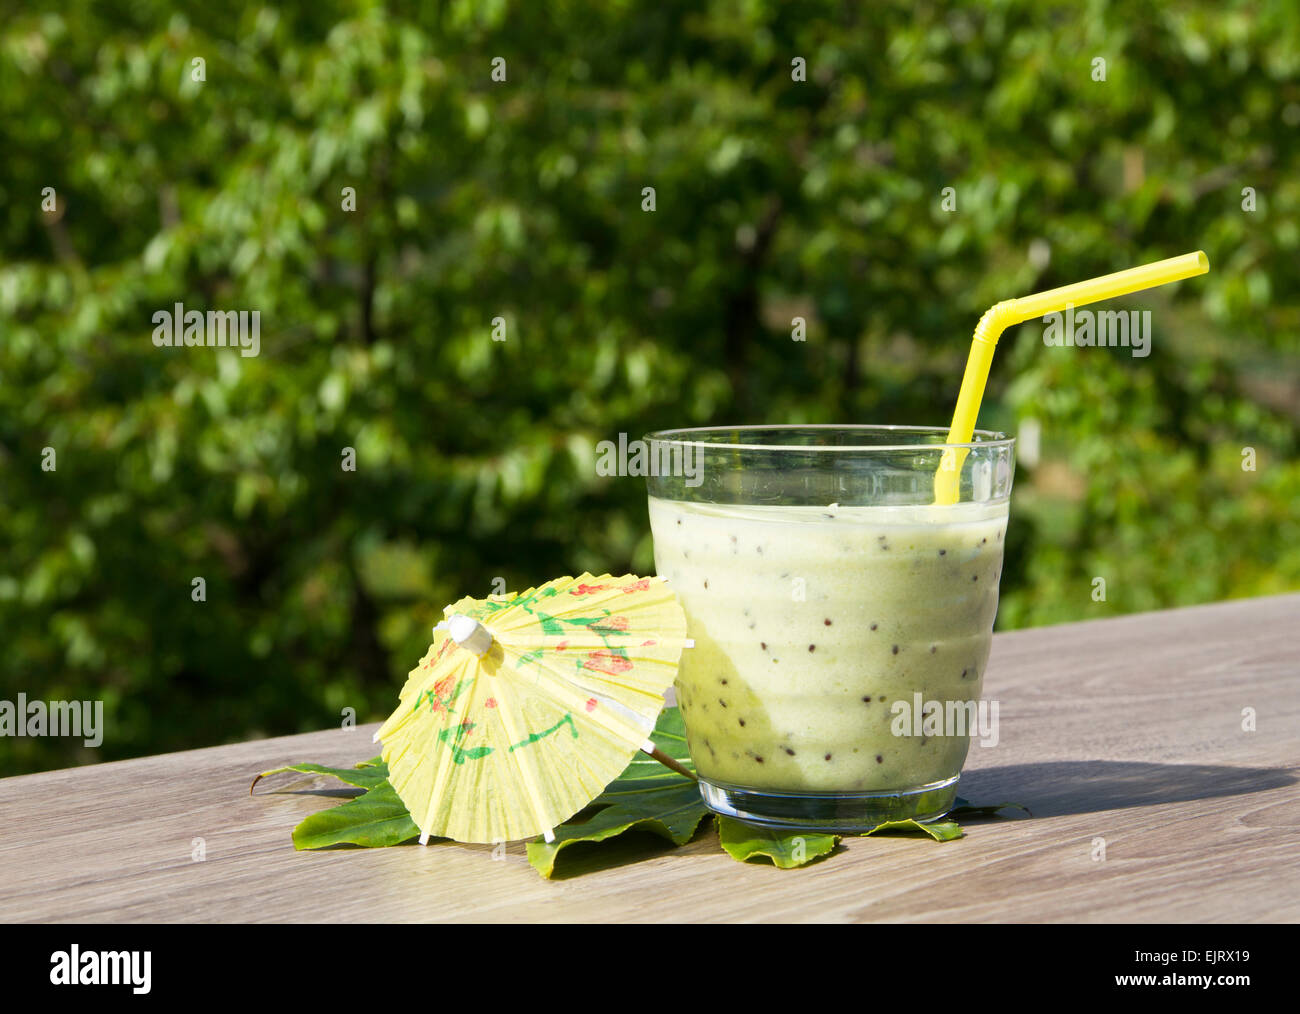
366	775
944	830
646	795
965	808
787	850
373	820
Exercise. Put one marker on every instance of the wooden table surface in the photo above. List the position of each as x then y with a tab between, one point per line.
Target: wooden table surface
1125	731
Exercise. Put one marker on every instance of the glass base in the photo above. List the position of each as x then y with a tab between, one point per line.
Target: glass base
845	812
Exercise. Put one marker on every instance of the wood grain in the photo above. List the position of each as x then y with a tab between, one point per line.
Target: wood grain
1127	730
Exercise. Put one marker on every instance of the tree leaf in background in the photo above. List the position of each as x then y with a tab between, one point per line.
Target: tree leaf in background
373	322
646	795
373	820
787	850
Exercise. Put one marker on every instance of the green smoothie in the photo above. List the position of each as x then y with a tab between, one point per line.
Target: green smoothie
811	622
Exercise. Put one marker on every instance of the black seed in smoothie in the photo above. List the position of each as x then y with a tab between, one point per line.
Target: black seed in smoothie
943	552
873	626
933	648
895	649
724	682
984	540
827	622
742	722
679	521
867	699
788	750
812	647
763	645
706	582
759	759
964	672
974	577
722	702
879	759
828	756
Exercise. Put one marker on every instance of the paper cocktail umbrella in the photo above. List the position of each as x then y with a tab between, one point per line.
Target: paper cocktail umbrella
527	705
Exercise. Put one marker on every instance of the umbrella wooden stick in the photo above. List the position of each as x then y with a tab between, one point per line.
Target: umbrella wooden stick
668	762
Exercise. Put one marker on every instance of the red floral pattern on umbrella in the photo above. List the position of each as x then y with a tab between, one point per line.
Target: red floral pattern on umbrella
609	662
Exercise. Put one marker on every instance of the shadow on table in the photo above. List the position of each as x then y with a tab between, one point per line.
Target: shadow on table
1059	788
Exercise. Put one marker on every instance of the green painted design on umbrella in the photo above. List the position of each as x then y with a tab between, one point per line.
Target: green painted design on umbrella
459	754
535	736
435	699
554	626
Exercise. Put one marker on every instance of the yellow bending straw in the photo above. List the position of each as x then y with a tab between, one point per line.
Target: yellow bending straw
998	318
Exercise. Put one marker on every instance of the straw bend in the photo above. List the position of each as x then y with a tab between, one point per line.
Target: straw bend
996	319
1001	316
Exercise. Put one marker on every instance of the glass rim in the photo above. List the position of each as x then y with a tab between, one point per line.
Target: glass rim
995	438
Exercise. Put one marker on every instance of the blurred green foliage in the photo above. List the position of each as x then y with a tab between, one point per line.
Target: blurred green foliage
522	199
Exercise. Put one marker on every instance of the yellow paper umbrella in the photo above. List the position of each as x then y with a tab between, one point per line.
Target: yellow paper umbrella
527	705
